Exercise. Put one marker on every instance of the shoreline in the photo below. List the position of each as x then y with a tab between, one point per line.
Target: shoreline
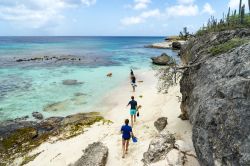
154	106
165	44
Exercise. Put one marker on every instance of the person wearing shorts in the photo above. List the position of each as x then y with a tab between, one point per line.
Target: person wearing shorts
133	82
133	109
127	133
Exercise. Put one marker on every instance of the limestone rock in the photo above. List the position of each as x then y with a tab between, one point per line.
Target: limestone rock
215	97
164	59
159	147
95	154
175	157
161	123
176	45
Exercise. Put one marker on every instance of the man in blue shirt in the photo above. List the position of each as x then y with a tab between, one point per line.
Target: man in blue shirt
126	131
133	108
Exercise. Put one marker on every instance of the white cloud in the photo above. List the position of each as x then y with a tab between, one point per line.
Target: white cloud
88	2
132	20
186	1
182	10
139	4
151	13
140	18
207	8
234	4
37	13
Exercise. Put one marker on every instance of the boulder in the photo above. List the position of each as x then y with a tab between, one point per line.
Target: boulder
175	157
161	123
159	147
164	59
37	115
95	154
176	45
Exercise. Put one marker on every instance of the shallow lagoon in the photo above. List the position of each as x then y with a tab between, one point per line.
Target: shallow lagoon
31	86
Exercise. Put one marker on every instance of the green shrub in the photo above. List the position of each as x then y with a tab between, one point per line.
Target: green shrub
227	46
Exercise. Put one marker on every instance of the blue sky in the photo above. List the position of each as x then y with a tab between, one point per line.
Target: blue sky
107	17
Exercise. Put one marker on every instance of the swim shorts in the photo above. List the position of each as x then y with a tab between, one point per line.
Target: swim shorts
132	111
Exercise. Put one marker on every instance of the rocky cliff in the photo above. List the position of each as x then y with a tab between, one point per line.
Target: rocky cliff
215	91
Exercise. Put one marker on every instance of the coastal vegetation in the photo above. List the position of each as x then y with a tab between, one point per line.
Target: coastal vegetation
184	35
227	46
232	20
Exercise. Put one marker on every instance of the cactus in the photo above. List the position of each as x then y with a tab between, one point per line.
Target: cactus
228	16
242	14
249	5
240	7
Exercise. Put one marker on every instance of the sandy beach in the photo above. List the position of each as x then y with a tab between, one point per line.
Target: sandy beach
113	107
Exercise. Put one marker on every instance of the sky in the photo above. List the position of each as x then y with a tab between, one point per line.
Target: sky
107	17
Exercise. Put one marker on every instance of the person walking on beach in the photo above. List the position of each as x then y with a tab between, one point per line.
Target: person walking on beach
131	72
133	108
133	82
126	131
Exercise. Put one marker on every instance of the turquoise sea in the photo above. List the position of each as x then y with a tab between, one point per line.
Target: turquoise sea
30	86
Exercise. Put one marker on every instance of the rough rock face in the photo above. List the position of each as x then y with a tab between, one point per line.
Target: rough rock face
165	150
159	147
161	123
216	98
164	59
95	154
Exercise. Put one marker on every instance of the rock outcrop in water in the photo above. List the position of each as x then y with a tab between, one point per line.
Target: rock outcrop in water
51	58
19	137
37	115
176	45
71	82
163	59
215	91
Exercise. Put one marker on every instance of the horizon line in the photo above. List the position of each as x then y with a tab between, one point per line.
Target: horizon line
83	36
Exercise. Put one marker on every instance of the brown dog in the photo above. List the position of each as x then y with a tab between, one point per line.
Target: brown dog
109	75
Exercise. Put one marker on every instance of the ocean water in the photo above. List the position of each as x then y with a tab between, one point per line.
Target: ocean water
31	86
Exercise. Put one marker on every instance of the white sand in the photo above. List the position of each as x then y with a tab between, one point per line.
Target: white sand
154	105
